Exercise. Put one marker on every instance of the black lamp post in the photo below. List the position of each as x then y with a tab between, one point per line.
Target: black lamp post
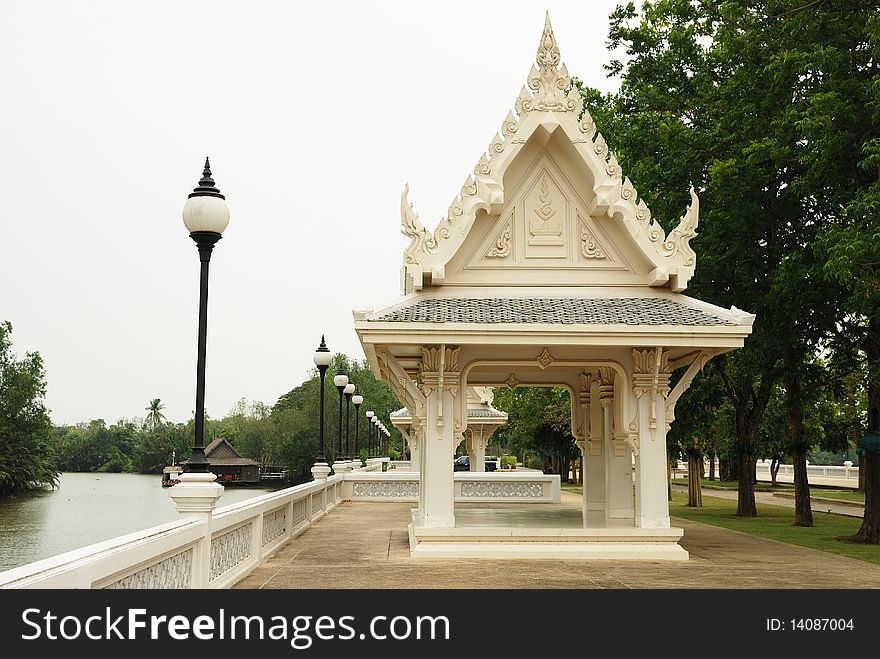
369	414
349	392
205	215
357	400
340	380
322	361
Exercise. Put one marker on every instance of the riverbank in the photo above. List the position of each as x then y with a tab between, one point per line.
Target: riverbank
86	508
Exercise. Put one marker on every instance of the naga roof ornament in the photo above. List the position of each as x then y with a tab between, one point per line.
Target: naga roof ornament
550	100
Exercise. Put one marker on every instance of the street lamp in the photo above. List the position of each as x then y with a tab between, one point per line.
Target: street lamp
349	392
341	381
322	361
357	400
369	415
376	423
205	215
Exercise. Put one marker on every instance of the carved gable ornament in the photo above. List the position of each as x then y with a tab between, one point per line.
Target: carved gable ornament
547	203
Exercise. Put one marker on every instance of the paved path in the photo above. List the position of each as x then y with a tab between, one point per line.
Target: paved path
365	545
822	505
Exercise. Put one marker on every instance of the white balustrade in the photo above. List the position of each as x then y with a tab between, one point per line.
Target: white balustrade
469	486
236	539
206	549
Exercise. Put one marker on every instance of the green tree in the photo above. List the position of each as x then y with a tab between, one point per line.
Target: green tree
297	413
96	447
843	126
538	421
728	97
156	448
26	457
154	413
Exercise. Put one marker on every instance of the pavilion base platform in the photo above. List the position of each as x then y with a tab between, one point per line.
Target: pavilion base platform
521	533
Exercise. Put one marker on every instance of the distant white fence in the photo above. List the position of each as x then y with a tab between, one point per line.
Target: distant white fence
845	471
240	537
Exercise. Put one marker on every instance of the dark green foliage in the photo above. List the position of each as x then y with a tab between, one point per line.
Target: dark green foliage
26	458
770	110
539	423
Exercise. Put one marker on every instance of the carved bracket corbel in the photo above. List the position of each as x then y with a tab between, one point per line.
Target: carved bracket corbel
651	375
684	383
439	371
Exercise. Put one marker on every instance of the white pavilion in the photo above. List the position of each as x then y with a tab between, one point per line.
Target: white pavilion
548	270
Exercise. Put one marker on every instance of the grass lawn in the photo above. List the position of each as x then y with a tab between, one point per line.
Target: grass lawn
775	522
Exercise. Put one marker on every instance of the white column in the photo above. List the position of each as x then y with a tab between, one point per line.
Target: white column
470	442
414	443
594	474
476	448
651	387
652	505
438	448
618	461
480	441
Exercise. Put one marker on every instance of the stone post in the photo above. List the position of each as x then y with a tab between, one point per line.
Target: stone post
195	497
320	471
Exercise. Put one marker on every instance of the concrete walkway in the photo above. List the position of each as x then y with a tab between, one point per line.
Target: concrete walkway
365	545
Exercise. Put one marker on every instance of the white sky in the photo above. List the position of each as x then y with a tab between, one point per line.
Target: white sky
314	115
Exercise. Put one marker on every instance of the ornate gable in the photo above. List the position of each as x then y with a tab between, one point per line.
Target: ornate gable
547	204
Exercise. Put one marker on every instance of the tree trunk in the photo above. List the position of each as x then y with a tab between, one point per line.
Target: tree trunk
669	480
745	504
775	463
803	513
729	468
862	471
870	461
748	419
711	465
695	491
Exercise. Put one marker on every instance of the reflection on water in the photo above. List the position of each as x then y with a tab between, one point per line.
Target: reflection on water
85	509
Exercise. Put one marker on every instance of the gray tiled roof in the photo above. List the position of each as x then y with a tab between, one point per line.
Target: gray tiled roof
553	311
473	412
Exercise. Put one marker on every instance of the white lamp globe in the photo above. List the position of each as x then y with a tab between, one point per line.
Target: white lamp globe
357	399
370	414
322	355
206	209
349	389
340	380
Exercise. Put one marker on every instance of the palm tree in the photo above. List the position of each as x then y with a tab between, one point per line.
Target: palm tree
154	413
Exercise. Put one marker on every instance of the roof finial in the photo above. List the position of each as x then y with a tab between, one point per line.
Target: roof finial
549	81
548	51
206	187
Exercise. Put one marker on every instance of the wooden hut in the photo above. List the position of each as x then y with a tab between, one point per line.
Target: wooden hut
229	465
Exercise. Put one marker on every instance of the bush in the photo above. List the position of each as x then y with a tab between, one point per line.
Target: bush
508	462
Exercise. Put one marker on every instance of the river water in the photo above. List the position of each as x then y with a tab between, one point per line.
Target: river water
85	509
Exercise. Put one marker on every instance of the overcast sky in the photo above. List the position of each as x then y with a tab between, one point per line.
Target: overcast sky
314	115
